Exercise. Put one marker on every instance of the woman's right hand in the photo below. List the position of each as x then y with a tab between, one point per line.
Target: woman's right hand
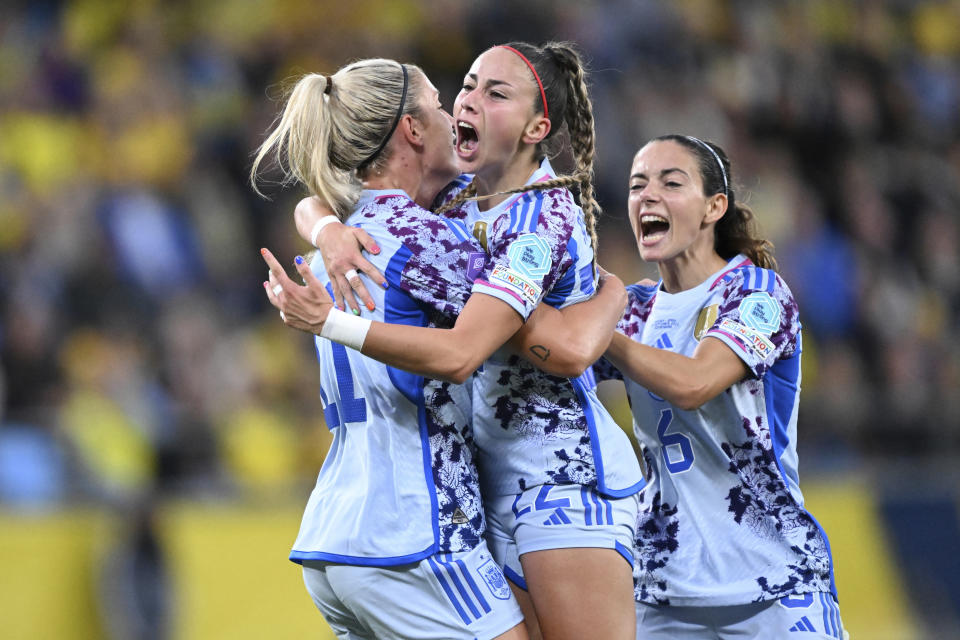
340	247
304	307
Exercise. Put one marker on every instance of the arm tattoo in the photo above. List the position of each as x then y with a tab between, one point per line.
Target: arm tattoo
540	351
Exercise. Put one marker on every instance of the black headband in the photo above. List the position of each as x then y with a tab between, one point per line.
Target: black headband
396	121
716	156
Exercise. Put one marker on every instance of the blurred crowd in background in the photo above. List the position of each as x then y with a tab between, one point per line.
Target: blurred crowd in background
138	354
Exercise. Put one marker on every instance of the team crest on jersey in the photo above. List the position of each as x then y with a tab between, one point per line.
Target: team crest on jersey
515	283
494	579
760	344
529	255
760	312
708	315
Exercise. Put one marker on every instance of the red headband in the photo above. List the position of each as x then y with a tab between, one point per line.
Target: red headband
536	77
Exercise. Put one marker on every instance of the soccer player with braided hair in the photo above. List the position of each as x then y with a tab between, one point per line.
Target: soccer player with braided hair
558	475
391	538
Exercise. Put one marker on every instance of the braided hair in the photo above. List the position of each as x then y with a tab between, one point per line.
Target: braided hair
561	71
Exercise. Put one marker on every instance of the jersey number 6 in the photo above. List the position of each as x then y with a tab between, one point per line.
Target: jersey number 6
672	440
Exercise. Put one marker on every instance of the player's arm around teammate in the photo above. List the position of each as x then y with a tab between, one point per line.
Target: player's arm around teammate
562	342
513	99
404	556
711	360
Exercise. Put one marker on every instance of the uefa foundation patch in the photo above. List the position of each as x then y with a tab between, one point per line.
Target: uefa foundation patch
760	344
515	283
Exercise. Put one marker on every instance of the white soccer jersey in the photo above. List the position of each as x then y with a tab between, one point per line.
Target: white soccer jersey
399	482
532	428
722	520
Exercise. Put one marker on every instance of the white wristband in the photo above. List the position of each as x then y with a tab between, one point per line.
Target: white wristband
346	329
320	224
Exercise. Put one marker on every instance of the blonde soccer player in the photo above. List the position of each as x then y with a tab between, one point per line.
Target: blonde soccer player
558	476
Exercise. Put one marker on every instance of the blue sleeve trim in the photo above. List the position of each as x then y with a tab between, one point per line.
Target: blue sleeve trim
525	213
459	229
586	280
755	278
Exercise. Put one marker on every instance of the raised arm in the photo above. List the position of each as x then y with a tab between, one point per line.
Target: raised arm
340	247
685	382
565	342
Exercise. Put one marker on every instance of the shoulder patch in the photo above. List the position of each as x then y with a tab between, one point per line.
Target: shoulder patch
529	255
760	312
476	260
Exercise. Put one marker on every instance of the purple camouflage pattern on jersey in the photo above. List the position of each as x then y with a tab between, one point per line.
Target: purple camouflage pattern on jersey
760	499
639	304
435	275
454	473
540	411
537	410
784	338
762	502
559	215
658	530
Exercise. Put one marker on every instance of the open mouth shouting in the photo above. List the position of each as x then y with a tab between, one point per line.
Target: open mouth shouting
652	228
467	139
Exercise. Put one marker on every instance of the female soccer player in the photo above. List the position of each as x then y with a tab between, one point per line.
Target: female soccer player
558	475
391	540
711	360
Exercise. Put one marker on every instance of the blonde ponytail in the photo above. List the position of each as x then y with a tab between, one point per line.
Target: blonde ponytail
334	130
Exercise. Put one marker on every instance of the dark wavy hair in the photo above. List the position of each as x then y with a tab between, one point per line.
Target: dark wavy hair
736	231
